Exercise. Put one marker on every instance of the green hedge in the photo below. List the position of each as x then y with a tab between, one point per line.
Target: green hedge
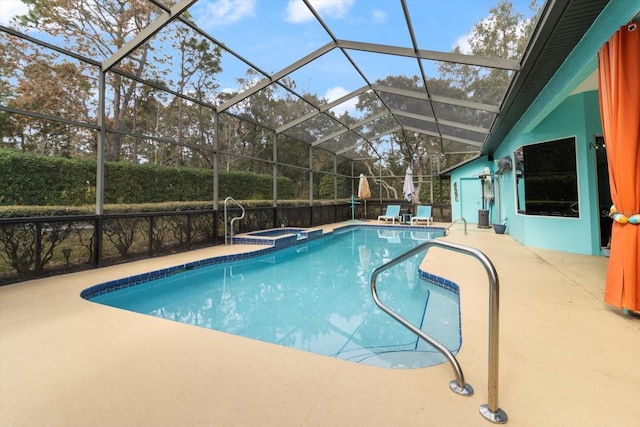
31	180
326	186
45	211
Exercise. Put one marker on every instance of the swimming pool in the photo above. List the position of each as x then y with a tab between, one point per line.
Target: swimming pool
313	296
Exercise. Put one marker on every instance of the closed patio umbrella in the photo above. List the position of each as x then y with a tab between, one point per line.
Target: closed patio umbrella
408	189
364	192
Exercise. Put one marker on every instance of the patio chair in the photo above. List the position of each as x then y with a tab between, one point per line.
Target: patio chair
393	212
423	213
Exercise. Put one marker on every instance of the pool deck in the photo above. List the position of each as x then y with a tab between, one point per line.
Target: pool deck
566	358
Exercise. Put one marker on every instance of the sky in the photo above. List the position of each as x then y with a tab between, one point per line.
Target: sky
271	34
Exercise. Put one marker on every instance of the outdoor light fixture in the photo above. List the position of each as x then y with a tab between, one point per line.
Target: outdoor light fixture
504	165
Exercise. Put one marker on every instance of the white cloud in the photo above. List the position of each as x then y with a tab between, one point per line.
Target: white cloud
335	93
298	12
225	12
348	106
488	23
11	8
378	16
463	43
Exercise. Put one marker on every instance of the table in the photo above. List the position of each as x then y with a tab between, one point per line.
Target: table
406	218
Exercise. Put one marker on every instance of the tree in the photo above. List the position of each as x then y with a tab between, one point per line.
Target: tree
68	97
199	62
38	80
250	142
11	49
98	30
408	148
191	62
503	34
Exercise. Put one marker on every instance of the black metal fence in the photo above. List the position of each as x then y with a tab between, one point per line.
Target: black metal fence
45	246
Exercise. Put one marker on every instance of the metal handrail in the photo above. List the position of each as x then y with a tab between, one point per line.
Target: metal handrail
237	218
446	230
491	411
458	385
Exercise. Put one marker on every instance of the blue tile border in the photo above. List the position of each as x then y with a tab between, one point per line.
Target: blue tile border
272	244
138	279
273	232
280	238
439	281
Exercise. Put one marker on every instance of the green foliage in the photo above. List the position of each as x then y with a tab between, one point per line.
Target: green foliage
14	211
31	180
36	180
44	211
326	186
504	34
19	246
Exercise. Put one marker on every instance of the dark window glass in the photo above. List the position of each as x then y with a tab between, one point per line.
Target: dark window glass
547	179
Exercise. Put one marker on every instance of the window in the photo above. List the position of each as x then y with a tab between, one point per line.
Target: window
546	178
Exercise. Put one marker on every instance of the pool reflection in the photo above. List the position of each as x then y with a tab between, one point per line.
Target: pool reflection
316	300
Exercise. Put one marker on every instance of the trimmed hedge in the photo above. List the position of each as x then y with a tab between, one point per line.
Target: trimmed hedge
46	211
32	180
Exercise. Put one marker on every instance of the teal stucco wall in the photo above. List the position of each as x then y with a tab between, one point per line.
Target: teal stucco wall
577	116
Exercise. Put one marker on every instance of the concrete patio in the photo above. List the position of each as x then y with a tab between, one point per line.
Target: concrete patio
566	358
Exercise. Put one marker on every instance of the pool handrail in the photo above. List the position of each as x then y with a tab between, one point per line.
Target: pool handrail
446	230
236	218
490	411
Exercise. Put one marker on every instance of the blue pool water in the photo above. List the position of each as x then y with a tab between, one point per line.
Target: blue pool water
314	296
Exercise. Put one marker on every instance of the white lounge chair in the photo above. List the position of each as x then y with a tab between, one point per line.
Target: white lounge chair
423	214
393	212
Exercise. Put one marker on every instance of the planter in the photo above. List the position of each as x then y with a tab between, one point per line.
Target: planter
499	228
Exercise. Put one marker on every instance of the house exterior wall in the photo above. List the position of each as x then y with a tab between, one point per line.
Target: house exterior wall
577	116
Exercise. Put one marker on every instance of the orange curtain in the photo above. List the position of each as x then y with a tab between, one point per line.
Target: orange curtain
619	87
